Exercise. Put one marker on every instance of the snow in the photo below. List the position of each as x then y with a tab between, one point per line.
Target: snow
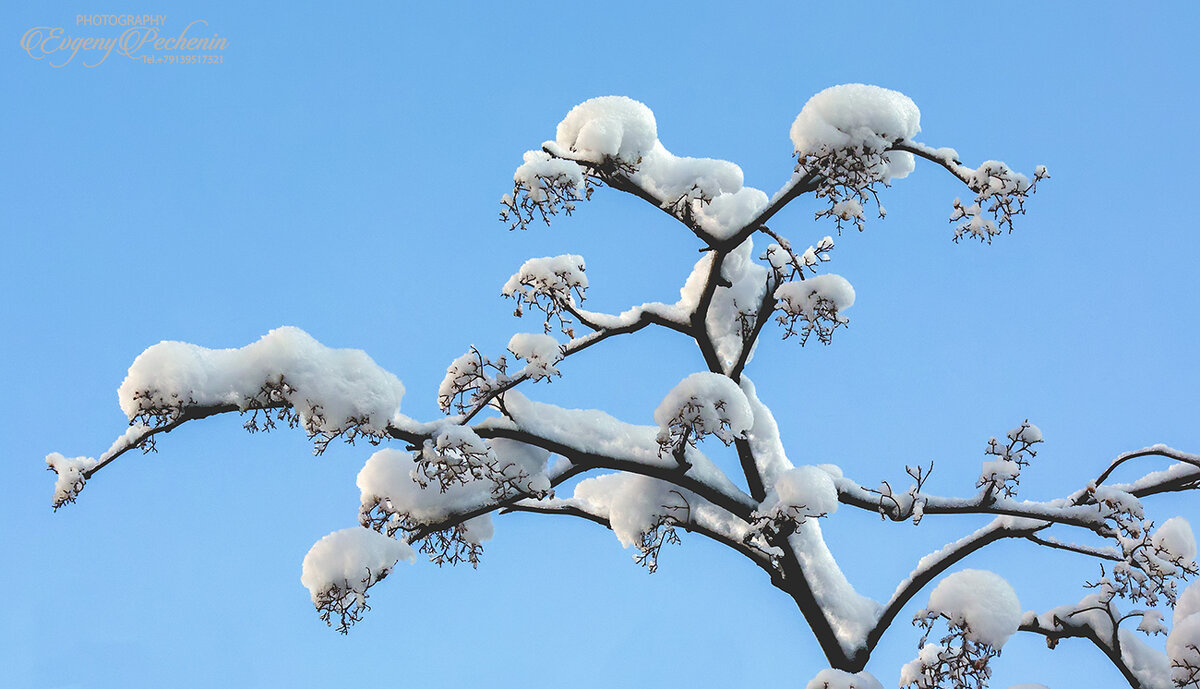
1152	622
608	127
1175	539
706	404
708	191
633	504
540	352
839	679
806	299
858	116
328	388
850	614
351	560
599	433
1183	645
1148	664
552	276
71	478
763	437
540	173
731	305
913	672
387	478
466	373
722	217
980	601
1026	433
808	489
1188	602
671	177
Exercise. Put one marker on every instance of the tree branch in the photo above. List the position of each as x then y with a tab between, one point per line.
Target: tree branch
1082	630
1152	451
1101	553
738	504
756	556
850	493
942	560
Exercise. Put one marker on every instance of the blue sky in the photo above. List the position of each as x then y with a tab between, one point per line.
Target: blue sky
340	171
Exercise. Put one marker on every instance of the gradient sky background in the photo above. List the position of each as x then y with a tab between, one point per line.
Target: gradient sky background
341	172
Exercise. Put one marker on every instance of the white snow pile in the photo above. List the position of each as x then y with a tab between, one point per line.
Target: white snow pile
732	305
554	278
803	491
709	193
386	483
851	614
597	432
1183	650
981	602
1026	433
328	388
820	297
1188	603
71	477
1183	644
670	176
542	175
634	504
1097	612
1176	541
763	437
703	404
540	352
608	127
839	679
862	118
344	564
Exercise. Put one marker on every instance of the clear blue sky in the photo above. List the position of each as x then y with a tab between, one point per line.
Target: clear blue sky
341	172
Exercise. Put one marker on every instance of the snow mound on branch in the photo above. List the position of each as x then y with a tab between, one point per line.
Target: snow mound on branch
839	679
351	560
539	172
1176	540
850	613
670	176
1182	647
708	404
386	480
554	276
981	602
821	296
1188	602
633	503
858	116
763	437
608	127
731	305
711	190
540	352
71	478
326	386
807	489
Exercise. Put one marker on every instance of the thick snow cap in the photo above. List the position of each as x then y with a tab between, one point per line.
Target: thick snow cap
608	127
858	116
981	601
